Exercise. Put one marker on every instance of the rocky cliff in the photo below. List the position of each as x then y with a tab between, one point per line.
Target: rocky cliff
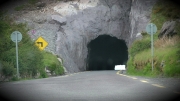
139	17
69	26
80	27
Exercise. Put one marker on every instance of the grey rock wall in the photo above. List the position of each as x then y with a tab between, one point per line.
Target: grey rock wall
139	17
107	17
168	29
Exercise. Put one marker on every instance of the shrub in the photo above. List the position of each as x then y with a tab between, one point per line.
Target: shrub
52	67
147	69
30	57
43	74
51	61
130	66
8	69
144	34
14	78
139	46
56	68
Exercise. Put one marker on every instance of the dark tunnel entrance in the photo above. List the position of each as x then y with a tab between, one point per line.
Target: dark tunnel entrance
105	52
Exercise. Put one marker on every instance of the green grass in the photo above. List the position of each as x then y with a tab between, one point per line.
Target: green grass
141	65
140	45
51	61
161	54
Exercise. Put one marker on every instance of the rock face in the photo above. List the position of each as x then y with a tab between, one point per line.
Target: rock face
98	18
139	17
168	29
69	26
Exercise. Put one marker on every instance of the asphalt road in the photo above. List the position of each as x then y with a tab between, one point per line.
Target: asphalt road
92	86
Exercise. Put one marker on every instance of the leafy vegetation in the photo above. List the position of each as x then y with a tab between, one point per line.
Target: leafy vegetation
52	63
166	50
32	61
139	46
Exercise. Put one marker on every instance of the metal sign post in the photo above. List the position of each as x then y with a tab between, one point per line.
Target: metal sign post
152	48
17	57
16	37
151	29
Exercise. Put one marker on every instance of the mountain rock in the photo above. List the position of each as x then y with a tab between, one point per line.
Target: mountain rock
139	17
168	29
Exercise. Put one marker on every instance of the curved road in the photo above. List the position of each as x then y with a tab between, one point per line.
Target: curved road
92	86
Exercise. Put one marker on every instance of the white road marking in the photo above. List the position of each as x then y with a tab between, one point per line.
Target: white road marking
65	76
144	81
118	72
158	86
127	76
134	78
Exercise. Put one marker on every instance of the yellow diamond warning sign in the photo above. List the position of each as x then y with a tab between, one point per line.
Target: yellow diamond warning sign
41	43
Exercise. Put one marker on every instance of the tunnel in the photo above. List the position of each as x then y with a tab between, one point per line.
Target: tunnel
105	52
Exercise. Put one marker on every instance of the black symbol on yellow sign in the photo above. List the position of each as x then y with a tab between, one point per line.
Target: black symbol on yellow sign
41	43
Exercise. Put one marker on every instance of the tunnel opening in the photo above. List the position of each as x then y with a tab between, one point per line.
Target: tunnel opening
105	52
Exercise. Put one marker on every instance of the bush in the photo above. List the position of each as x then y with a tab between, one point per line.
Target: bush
51	61
147	69
144	34
8	69
130	66
14	78
30	57
43	74
30	60
139	46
